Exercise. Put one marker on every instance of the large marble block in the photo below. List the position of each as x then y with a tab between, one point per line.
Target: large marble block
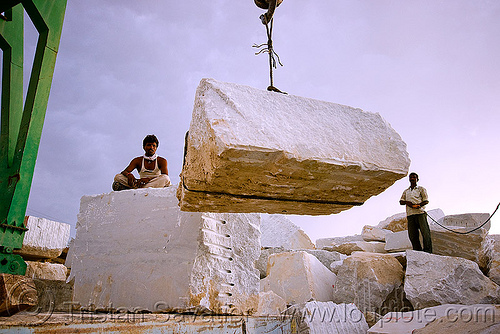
44	238
279	231
250	150
470	220
46	270
461	244
136	249
398	241
298	277
432	280
367	280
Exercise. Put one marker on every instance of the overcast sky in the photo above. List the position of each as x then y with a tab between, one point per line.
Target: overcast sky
128	68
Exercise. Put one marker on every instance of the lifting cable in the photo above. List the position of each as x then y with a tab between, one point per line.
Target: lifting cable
267	19
475	229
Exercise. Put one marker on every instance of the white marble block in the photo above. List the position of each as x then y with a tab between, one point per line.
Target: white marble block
470	220
279	231
250	150
46	270
44	238
397	241
270	304
335	241
136	249
459	243
432	280
298	277
367	280
373	233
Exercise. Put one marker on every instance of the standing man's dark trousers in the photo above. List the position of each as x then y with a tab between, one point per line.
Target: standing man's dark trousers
416	223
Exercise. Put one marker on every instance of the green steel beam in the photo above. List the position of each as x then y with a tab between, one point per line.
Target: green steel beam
21	128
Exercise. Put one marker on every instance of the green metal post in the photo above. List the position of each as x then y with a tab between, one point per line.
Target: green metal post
21	128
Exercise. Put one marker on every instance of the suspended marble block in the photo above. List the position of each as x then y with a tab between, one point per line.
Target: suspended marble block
250	150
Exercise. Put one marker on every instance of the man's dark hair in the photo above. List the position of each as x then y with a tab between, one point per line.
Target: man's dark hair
413	173
150	139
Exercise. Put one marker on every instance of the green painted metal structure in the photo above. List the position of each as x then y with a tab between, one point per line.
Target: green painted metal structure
21	127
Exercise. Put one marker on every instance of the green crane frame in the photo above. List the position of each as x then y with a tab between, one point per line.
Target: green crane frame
21	128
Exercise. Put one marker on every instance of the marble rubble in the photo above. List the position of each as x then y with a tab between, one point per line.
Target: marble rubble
279	231
395	223
213	262
54	295
46	270
397	242
270	304
325	257
45	239
298	277
373	233
136	249
328	318
327	242
358	246
250	150
367	279
490	257
17	293
432	280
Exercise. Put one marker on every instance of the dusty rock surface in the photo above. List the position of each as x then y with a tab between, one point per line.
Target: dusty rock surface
298	277
432	280
460	317
464	245
136	249
279	231
489	258
373	233
45	239
367	279
270	304
335	241
46	270
358	246
328	318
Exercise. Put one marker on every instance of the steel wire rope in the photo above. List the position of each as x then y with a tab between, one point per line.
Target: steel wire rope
474	229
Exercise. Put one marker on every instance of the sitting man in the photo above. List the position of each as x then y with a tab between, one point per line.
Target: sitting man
152	169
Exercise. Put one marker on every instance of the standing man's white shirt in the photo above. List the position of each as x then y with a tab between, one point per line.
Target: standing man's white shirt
416	195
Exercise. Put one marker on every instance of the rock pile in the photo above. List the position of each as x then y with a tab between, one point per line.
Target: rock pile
213	262
44	250
388	286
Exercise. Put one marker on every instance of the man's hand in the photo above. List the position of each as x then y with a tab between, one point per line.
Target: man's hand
410	204
142	182
132	182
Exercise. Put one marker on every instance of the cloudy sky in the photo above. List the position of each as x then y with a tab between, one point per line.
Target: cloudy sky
127	68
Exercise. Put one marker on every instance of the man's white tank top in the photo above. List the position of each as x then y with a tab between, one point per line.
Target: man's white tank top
149	173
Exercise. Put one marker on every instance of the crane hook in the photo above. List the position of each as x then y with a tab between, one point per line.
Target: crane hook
270	5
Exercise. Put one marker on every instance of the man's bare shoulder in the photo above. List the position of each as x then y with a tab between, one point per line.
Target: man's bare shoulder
135	161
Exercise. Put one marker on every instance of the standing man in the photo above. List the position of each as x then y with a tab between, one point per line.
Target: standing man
152	169
415	198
